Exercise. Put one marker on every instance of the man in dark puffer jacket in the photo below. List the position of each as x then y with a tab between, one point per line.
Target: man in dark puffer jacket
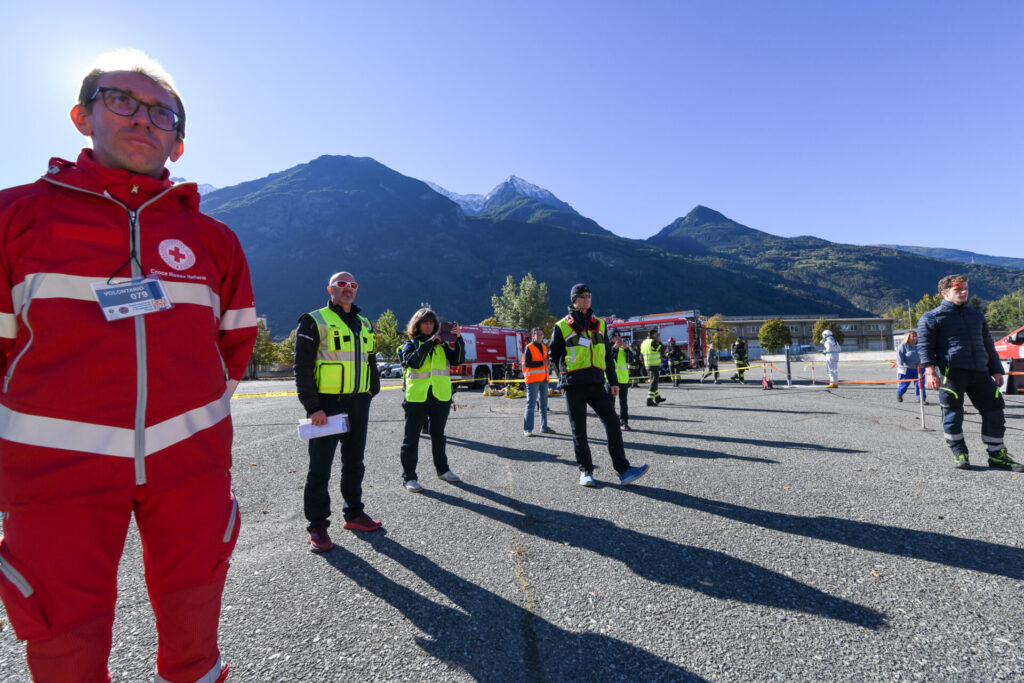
954	341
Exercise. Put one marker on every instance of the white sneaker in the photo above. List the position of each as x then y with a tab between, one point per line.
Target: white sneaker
526	433
449	476
587	479
413	486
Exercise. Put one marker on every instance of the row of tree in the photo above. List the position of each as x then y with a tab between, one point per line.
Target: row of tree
525	305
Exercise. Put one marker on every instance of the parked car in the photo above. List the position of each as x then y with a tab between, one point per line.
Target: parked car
803	349
389	370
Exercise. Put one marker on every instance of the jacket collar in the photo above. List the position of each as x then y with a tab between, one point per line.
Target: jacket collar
131	189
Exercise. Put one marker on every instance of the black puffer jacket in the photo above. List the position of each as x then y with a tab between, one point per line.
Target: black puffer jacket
957	336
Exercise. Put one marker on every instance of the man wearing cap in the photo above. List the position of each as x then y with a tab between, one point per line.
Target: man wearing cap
335	373
580	346
535	375
126	322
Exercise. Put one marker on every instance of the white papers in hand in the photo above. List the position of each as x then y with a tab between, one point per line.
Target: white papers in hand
336	424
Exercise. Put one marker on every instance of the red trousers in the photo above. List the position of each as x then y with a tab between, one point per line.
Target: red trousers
58	579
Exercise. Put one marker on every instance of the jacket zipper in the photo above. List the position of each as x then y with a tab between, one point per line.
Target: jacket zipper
141	385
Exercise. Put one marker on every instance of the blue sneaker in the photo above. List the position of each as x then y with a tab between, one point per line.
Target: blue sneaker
632	474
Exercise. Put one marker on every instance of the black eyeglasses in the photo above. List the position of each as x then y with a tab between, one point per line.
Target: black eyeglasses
121	103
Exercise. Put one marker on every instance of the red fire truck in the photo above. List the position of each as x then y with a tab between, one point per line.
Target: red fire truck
683	326
491	352
1011	352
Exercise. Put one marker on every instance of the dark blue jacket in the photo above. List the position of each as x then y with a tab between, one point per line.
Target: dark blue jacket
953	336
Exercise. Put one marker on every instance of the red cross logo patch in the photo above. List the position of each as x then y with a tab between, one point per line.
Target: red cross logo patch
177	255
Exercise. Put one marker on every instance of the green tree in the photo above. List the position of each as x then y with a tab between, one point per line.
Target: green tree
1006	313
927	303
263	353
774	334
388	336
720	334
490	322
286	348
522	306
823	325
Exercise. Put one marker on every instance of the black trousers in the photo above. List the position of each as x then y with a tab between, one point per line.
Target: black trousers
708	370
316	500
623	405
577	398
654	373
415	415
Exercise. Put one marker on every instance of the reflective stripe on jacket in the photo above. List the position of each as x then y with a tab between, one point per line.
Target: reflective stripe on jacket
433	375
583	349
537	373
622	366
652	356
342	360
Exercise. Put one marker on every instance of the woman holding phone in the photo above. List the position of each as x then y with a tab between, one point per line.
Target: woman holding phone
426	359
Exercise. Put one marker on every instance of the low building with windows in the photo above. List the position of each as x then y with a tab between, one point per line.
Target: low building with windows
859	334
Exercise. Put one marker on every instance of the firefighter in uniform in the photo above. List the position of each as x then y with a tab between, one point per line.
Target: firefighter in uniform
636	366
535	376
676	360
739	354
119	410
336	372
579	344
652	352
622	360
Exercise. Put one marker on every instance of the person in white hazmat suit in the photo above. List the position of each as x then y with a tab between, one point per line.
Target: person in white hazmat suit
831	352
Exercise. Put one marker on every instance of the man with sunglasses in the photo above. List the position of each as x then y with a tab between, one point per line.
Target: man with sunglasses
126	322
336	372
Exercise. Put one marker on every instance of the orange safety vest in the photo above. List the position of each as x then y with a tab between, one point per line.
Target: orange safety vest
538	374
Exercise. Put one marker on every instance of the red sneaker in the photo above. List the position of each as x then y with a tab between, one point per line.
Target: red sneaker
363	523
319	540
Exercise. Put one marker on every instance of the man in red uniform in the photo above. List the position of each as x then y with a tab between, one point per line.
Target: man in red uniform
114	285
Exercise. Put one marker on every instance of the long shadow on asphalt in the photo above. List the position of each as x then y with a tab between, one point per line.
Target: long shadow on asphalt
656	559
683	451
492	638
508	452
768	443
966	553
760	410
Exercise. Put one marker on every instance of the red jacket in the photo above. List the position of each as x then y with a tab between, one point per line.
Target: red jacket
90	408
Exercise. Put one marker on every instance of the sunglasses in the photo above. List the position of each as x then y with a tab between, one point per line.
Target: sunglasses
343	285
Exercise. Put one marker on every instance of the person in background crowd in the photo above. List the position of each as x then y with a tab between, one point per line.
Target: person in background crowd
712	363
117	390
579	344
636	365
535	375
954	342
428	392
676	361
907	362
739	355
652	352
831	352
336	372
621	364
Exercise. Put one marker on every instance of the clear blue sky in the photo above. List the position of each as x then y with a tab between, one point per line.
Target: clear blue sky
862	122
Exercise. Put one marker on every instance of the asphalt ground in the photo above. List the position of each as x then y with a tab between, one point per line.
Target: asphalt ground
798	534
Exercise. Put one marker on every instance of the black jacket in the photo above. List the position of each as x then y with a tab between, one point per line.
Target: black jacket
957	336
590	375
307	342
412	356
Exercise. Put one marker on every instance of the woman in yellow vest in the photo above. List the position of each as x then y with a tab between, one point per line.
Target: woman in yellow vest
426	359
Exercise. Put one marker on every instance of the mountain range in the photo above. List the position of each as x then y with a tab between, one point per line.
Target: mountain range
409	242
